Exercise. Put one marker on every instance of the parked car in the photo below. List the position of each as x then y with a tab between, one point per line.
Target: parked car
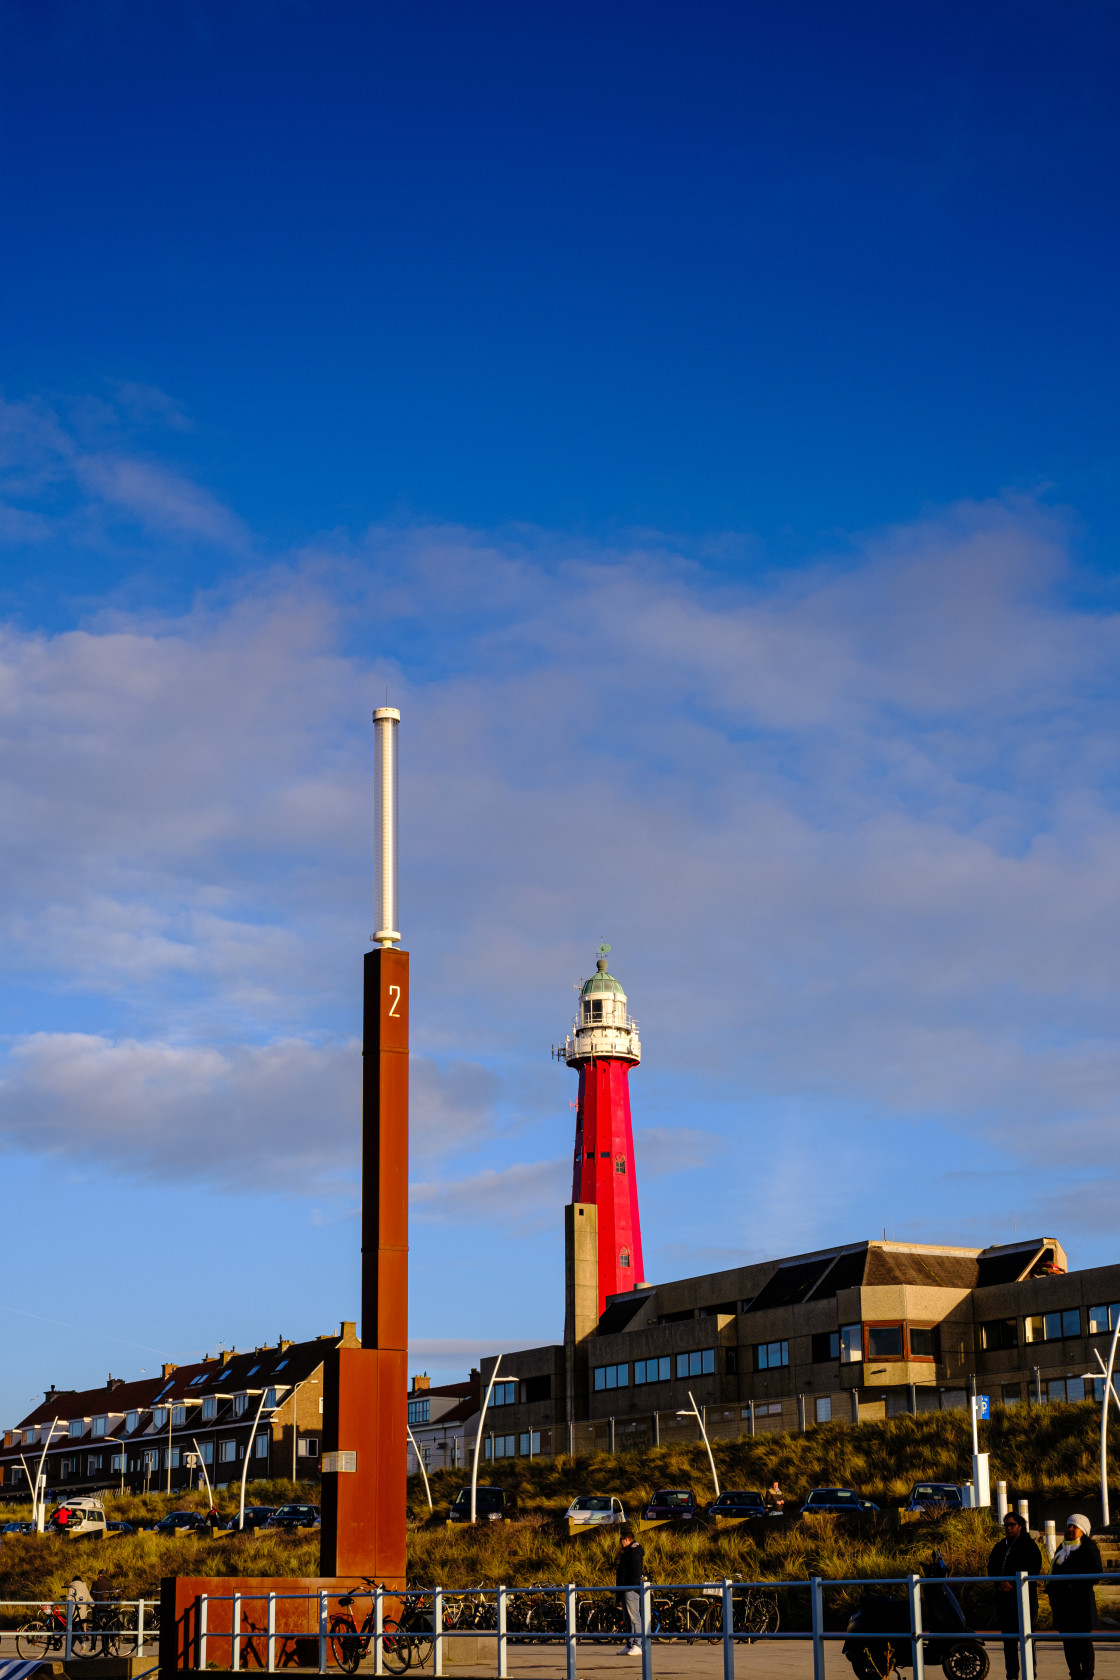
175	1522
15	1528
844	1502
294	1516
603	1509
255	1517
78	1519
120	1528
934	1496
672	1502
492	1504
738	1503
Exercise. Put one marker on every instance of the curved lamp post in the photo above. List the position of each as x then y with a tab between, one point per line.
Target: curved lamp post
420	1462
40	1506
275	1388
478	1440
1108	1389
695	1412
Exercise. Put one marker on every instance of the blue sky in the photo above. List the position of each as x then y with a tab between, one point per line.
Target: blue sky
703	421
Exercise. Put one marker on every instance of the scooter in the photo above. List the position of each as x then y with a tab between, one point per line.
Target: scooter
887	1621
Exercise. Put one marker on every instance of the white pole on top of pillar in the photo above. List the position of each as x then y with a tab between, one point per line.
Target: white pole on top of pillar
386	720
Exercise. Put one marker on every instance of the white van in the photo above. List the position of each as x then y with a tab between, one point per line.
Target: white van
78	1519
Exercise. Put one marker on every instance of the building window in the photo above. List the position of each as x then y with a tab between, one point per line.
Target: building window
76	1428
1012	1394
116	1461
308	1446
504	1394
884	1341
69	1468
653	1370
537	1388
159	1418
240	1404
151	1461
1102	1320
98	1427
227	1452
270	1399
851	1344
94	1463
210	1406
17	1475
131	1422
923	1341
731	1362
1053	1326
178	1416
419	1411
823	1406
612	1376
501	1446
530	1443
999	1334
207	1451
826	1345
260	1447
702	1363
171	1458
619	1164
769	1355
624	1259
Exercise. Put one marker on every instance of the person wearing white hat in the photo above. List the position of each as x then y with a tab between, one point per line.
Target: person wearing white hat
1071	1600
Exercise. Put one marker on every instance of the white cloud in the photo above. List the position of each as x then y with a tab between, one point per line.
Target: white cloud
852	831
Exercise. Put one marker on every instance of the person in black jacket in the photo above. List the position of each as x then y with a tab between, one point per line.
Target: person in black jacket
628	1576
1072	1601
1016	1553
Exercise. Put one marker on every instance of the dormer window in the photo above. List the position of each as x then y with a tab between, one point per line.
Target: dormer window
209	1405
100	1425
131	1422
76	1427
240	1404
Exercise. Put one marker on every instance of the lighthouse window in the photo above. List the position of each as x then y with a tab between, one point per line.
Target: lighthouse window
620	1165
594	1009
624	1258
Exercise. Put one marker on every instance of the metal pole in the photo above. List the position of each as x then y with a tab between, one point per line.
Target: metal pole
379	1630
647	1632
707	1443
657	1429
420	1462
750	1416
170	1414
728	1629
478	1439
41	1504
272	1633
570	1629
386	720
140	1629
248	1454
235	1642
1026	1643
323	1620
69	1646
1104	1422
203	1618
816	1599
437	1631
502	1668
202	1461
917	1655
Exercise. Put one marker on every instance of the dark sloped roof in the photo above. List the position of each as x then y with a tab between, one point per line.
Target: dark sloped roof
1008	1264
791	1283
846	1272
619	1314
941	1271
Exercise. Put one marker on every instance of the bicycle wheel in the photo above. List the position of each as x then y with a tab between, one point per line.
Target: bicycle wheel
346	1644
35	1639
120	1637
83	1644
396	1649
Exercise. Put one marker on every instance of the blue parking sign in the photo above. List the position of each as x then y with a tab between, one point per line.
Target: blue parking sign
983	1408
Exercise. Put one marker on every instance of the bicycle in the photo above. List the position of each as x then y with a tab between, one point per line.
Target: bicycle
350	1643
45	1634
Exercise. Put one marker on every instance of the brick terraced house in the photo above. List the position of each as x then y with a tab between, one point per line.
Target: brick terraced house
267	1403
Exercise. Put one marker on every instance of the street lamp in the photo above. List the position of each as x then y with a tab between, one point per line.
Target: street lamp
695	1412
420	1462
478	1440
273	1388
38	1509
184	1402
1108	1389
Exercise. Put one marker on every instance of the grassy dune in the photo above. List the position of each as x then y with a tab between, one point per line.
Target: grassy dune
1042	1452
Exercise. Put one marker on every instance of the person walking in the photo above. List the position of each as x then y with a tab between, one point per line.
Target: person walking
1071	1600
628	1578
1015	1554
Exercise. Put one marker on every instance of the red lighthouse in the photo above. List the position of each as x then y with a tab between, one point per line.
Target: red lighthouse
604	1046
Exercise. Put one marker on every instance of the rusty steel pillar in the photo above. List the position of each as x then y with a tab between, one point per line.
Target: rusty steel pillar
365	1443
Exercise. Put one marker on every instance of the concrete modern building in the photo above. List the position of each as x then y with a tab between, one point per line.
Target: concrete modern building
863	1331
267	1403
